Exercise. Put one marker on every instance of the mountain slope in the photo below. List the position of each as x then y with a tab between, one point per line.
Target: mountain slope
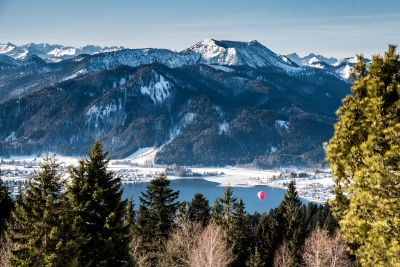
50	53
202	106
250	53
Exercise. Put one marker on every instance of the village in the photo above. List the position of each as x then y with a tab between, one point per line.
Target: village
312	184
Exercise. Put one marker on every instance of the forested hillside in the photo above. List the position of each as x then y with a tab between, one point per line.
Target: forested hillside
86	223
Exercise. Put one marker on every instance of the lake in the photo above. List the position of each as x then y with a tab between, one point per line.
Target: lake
188	187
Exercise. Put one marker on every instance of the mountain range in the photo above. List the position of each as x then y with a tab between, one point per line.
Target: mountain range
213	104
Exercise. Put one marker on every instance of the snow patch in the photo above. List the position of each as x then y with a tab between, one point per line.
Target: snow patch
223	127
281	123
11	137
158	91
189	117
225	69
101	111
76	74
122	81
140	152
344	71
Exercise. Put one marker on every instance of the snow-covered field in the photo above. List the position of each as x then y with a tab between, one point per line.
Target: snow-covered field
314	185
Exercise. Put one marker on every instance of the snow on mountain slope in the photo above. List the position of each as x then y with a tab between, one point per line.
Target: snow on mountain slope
137	57
158	91
305	61
250	53
341	68
50	53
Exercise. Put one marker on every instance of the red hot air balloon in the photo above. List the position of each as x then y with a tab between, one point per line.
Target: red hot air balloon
261	195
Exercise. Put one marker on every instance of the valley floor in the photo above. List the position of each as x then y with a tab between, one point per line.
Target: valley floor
312	184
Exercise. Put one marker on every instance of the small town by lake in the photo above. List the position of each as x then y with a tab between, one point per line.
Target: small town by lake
313	185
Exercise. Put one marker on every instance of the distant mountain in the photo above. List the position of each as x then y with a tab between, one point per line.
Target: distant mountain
250	53
50	53
215	103
342	68
306	60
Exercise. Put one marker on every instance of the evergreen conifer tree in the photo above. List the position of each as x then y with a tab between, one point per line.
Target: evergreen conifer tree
230	215
291	224
365	161
199	209
255	259
39	229
99	212
157	211
240	234
266	236
6	204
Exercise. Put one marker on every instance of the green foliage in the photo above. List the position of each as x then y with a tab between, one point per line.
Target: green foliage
198	209
230	215
365	161
255	259
291	224
99	213
39	229
157	210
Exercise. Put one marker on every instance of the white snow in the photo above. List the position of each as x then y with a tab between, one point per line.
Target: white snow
313	60
158	91
315	187
74	75
189	117
344	71
23	54
140	152
239	53
282	123
5	48
218	67
122	81
223	127
59	52
11	137
100	111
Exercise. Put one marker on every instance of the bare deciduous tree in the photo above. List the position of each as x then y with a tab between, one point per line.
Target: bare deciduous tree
282	255
211	250
315	250
338	254
320	250
180	244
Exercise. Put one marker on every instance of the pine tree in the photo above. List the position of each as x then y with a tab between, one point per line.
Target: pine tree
99	212
291	224
365	161
157	211
255	259
39	229
267	238
6	204
240	234
230	215
199	209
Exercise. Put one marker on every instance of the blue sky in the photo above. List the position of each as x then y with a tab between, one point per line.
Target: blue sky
338	28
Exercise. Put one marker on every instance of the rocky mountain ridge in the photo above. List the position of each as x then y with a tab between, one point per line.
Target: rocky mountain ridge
216	103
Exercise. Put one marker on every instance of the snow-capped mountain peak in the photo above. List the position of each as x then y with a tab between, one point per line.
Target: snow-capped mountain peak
50	53
250	53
